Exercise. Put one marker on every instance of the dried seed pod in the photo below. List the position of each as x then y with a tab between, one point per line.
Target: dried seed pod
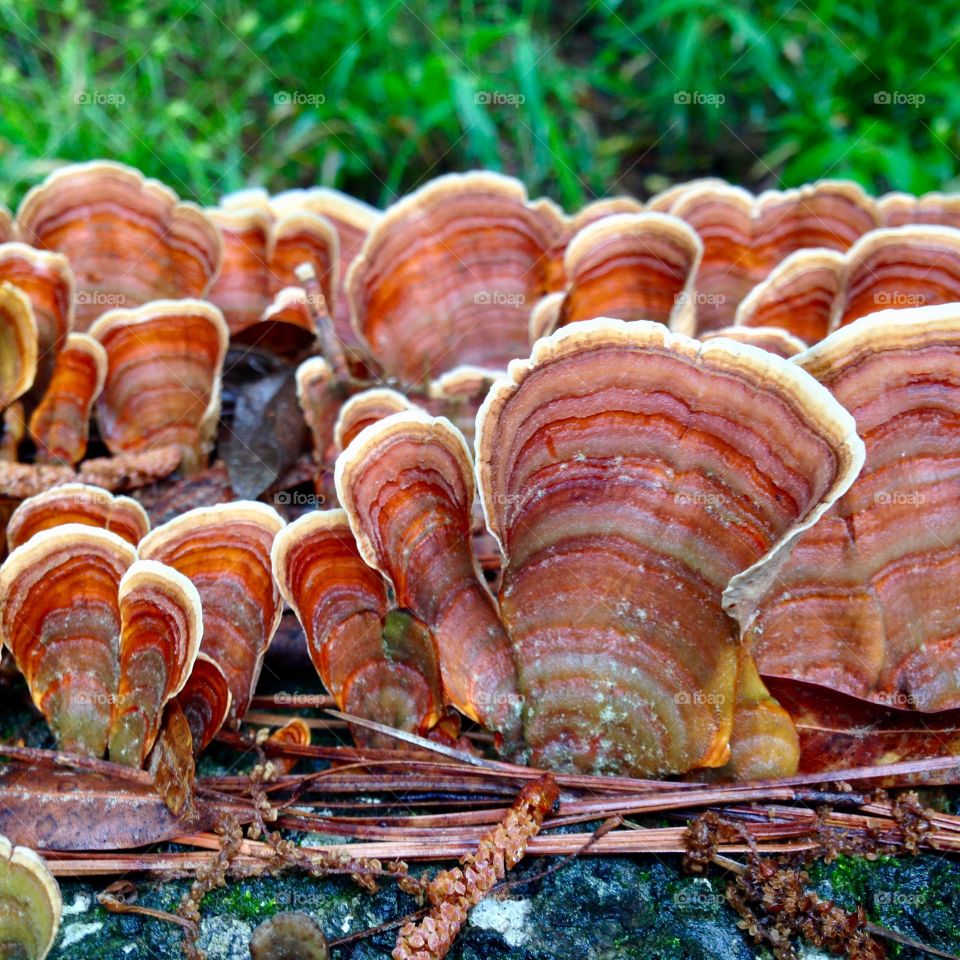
868	602
365	408
47	281
61	622
630	266
163	378
30	904
18	345
641	484
129	240
407	485
448	275
934	209
160	629
377	666
772	339
77	503
814	291
60	425
745	237
225	551
205	701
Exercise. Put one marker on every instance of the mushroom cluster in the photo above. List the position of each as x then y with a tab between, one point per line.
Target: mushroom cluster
585	479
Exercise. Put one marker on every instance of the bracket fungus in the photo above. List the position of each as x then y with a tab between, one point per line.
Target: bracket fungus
624	469
448	275
30	904
224	550
365	408
377	662
18	345
904	209
630	266
407	485
60	424
745	237
102	640
129	239
77	503
773	339
163	378
813	292
205	701
868	602
47	281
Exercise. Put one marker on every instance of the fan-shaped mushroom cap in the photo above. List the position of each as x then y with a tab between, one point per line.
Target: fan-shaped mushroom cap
773	339
798	295
815	291
745	237
375	666
30	903
287	327
47	280
77	503
128	239
242	287
163	377
6	225
664	201
633	267
61	622
407	485
935	209
365	408
457	395
640	483
869	601
18	344
449	274
320	398
225	551
161	625
60	425
352	220
205	701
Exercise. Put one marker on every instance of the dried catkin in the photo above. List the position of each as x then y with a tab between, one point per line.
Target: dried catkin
454	892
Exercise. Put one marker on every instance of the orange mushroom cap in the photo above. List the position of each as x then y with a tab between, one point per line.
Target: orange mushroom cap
640	484
933	209
205	701
225	551
406	483
773	339
18	344
77	503
60	425
365	408
30	903
378	667
163	377
129	240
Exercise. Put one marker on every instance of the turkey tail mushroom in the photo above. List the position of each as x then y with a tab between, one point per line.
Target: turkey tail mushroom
868	603
30	904
640	483
18	345
378	664
224	550
406	483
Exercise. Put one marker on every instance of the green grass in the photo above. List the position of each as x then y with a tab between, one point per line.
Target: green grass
582	99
